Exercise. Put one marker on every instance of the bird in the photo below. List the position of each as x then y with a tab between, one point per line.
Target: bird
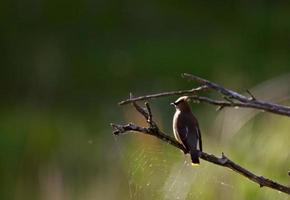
186	128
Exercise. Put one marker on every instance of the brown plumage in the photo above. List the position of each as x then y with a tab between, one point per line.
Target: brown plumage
186	128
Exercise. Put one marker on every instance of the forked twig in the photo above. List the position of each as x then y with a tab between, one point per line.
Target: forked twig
231	98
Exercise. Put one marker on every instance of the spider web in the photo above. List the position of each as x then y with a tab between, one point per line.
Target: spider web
158	171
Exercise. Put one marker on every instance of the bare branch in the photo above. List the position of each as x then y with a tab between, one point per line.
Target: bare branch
149	119
122	129
222	161
222	104
164	94
244	101
233	99
217	87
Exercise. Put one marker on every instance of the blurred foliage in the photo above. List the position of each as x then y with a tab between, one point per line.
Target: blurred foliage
65	64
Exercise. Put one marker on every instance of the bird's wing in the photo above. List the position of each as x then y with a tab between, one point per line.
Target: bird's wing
199	137
189	133
183	133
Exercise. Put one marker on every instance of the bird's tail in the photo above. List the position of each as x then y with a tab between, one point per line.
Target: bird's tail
194	157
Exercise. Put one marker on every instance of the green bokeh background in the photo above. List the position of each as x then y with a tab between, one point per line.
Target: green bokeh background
66	64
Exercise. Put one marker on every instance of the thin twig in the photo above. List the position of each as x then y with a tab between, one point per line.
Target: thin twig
252	96
164	94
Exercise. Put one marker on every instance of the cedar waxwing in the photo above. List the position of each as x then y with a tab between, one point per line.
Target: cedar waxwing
186	128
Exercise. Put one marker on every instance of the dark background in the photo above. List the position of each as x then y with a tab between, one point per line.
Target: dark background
66	64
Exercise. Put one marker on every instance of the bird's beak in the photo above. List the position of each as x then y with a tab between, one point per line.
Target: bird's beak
173	104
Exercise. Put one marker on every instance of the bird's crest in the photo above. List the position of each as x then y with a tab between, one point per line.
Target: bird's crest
181	99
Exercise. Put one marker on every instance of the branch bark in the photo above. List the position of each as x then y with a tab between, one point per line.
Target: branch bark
231	99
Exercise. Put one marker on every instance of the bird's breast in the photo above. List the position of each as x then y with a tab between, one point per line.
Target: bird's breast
175	130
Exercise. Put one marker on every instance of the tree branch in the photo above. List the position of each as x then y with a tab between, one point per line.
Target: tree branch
232	98
244	101
223	161
164	94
